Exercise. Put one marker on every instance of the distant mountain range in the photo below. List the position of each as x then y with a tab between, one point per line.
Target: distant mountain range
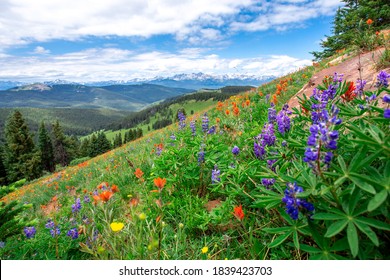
115	97
194	81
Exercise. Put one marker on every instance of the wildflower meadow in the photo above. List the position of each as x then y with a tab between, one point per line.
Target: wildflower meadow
249	178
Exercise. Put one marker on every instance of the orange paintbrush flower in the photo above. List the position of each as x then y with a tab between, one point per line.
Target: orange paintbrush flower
238	213
138	173
160	183
369	21
105	196
114	188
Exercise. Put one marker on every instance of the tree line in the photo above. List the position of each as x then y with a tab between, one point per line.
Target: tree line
350	20
25	155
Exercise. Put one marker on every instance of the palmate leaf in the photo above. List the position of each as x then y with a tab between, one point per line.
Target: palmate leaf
374	223
336	227
327	216
362	184
353	239
279	240
367	231
377	200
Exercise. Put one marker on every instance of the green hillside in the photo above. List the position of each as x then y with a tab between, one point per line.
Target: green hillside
240	182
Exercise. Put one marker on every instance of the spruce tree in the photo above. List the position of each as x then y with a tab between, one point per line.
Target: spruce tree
21	160
84	147
46	149
3	172
102	143
120	142
61	155
93	149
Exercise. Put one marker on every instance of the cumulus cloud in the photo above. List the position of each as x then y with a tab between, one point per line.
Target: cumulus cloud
41	50
23	21
117	64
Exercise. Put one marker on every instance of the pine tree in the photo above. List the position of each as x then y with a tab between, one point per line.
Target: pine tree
102	142
3	172
84	147
46	149
120	142
61	155
9	223
21	160
93	150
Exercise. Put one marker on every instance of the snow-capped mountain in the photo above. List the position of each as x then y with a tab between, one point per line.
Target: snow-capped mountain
185	80
194	81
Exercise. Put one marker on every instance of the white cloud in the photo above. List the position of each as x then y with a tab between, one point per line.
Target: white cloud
117	64
24	21
41	50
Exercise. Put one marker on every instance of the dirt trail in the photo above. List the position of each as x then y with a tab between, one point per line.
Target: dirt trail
350	68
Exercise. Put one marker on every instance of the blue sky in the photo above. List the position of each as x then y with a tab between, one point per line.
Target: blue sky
91	40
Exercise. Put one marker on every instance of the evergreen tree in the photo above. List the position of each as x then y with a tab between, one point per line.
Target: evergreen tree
132	135
21	160
103	144
45	149
139	133
93	150
84	147
3	172
61	155
72	145
120	142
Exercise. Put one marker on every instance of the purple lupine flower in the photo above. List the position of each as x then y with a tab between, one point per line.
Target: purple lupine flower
215	175
283	121
382	80
235	150
76	206
386	98
338	78
173	137
294	204
73	233
182	119
271	163
211	130
193	128
205	123
267	182
201	154
268	135
49	224
87	199
258	150
271	113
30	232
2	244
55	231
386	114
360	87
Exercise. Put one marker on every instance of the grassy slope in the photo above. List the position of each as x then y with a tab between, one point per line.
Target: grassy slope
185	216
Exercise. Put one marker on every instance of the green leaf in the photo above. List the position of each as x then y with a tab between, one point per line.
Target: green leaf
373	223
361	184
353	239
310	249
342	164
296	239
377	200
327	216
367	231
336	227
279	240
277	230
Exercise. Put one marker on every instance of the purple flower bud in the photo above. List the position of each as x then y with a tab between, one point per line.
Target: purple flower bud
73	233
30	232
235	150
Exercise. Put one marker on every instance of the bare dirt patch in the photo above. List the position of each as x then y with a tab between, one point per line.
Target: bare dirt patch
349	68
